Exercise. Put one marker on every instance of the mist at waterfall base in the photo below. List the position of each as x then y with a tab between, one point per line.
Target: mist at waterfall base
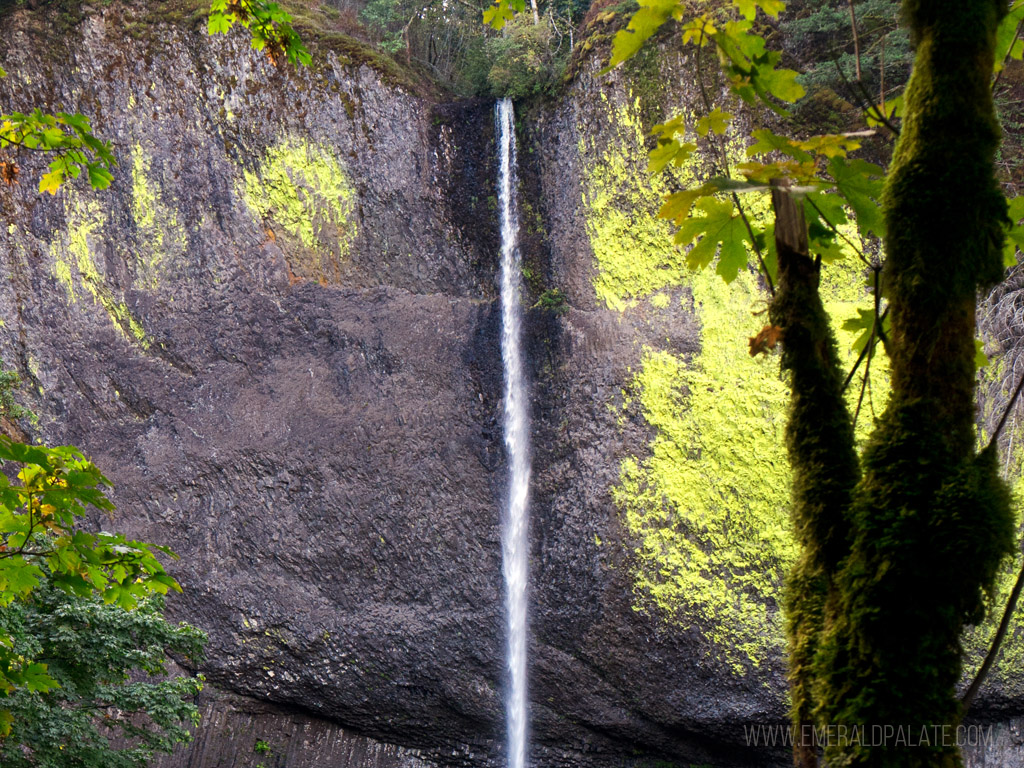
517	438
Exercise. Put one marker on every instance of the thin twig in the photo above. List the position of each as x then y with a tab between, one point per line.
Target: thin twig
753	242
881	74
867	375
864	352
876	327
999	74
879	318
997	641
853	371
834	228
856	38
865	102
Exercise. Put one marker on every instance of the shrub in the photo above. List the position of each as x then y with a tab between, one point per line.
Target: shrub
115	706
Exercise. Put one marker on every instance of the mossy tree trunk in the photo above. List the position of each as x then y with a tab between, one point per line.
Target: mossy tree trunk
821	451
899	547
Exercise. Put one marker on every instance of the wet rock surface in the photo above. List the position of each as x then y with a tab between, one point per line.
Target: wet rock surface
301	399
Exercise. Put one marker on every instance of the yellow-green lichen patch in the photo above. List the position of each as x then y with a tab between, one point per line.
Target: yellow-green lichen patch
74	266
709	507
632	248
302	193
660	300
160	237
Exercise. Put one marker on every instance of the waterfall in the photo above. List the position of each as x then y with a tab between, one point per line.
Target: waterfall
515	543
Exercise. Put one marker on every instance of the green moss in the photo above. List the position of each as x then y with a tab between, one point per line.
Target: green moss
302	191
629	243
978	639
708	506
75	268
930	521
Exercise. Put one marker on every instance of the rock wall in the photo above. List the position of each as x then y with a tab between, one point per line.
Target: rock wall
277	333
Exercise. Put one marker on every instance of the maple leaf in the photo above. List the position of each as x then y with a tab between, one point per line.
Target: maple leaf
749	7
1014	232
720	224
860	183
768	338
717	121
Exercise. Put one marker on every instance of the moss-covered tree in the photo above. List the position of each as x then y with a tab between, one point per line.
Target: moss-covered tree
894	571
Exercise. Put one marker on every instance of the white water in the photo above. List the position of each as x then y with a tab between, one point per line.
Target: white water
514	544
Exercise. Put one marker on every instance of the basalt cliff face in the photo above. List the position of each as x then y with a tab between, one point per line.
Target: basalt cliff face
277	333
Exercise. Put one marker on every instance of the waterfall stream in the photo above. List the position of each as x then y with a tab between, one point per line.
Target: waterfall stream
515	543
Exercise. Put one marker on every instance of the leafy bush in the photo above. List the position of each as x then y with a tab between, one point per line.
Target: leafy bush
114	707
523	60
554	301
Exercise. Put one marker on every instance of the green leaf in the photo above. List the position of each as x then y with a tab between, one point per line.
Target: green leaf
825	213
781	83
864	322
669	152
717	121
722	226
860	184
1007	37
678	204
831	206
17	578
25	454
830	145
6	718
51	137
891	108
647	20
669	128
502	12
218	24
823	242
748	8
767	142
34	677
99	177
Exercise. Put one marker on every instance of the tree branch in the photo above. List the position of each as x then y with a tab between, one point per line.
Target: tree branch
997	641
856	38
1006	413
